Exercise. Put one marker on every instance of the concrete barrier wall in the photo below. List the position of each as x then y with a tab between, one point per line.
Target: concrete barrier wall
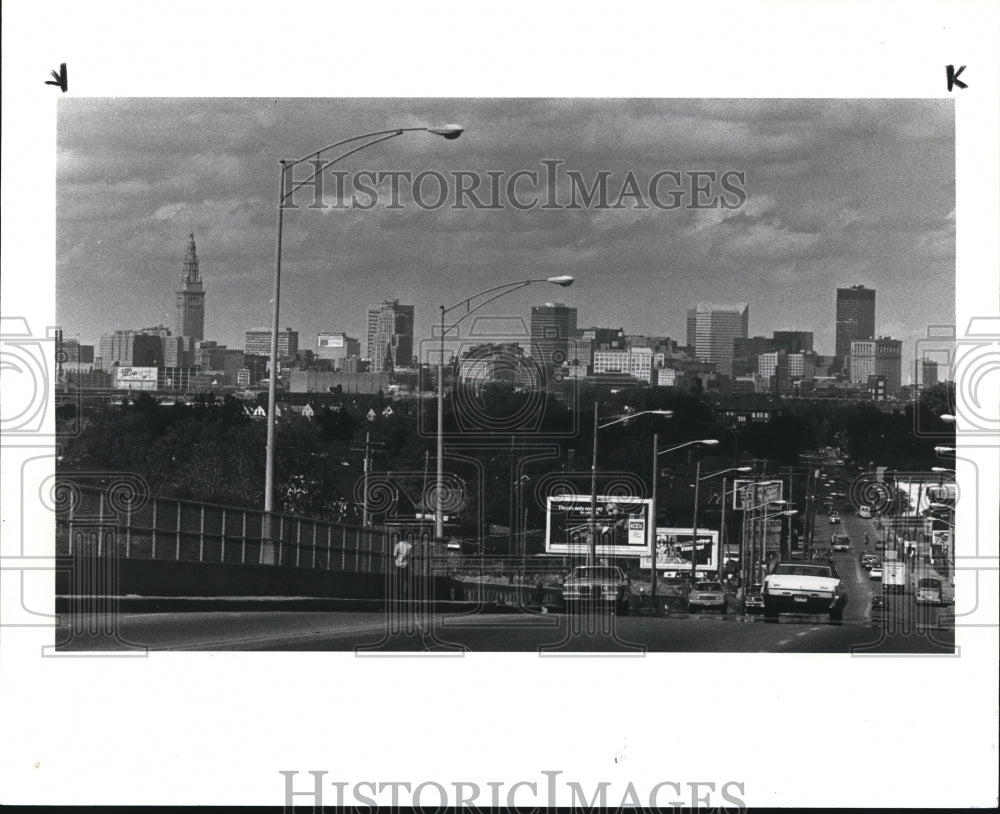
116	576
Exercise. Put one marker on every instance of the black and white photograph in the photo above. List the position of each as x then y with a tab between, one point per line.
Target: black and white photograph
659	406
529	347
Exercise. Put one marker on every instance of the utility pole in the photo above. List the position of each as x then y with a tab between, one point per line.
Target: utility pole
367	449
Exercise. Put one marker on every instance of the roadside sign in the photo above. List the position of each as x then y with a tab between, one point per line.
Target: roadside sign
623	525
674	550
748	494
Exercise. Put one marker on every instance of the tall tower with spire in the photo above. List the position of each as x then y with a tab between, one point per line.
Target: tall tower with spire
191	297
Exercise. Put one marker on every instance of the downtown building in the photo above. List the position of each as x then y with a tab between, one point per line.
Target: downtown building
390	336
190	315
877	359
257	342
552	326
337	347
712	330
855	321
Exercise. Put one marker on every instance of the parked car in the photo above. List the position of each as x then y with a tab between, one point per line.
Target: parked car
834	518
597	585
674	587
794	587
841	542
875	572
755	599
868	560
865	512
707	596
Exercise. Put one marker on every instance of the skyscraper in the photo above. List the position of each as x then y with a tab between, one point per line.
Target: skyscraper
552	325
390	336
855	319
715	329
191	297
881	357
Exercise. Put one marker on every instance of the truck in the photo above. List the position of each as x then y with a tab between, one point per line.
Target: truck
894	576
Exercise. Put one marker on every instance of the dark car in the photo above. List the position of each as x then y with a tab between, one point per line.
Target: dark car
755	599
604	586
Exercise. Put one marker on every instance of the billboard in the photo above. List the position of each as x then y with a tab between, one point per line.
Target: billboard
622	523
748	494
673	550
135	378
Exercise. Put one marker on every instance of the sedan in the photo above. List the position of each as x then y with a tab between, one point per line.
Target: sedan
841	542
597	586
710	595
755	599
875	572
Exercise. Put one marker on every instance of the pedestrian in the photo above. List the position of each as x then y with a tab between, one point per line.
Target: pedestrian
401	558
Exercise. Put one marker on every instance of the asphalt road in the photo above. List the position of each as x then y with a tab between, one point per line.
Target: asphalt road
901	628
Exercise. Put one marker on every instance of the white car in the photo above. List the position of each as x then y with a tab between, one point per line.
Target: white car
798	587
596	586
875	572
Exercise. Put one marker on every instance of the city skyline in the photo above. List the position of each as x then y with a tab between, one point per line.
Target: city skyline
824	208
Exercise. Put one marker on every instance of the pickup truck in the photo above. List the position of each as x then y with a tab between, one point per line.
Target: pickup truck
894	576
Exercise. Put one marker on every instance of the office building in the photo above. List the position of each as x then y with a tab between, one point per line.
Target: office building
746	351
191	297
928	373
499	362
390	336
637	362
337	346
552	325
716	327
258	343
131	348
793	341
881	358
855	321
72	351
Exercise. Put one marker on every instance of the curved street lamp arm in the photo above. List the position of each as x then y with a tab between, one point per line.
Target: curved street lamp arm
287	165
621	418
680	446
396	131
507	289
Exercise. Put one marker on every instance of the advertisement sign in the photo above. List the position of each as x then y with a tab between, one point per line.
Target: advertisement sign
673	550
748	494
135	378
622	525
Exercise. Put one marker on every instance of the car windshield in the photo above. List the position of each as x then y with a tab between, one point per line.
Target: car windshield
596	572
803	570
708	586
929	583
756	589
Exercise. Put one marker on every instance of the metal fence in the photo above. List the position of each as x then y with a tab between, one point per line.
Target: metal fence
155	528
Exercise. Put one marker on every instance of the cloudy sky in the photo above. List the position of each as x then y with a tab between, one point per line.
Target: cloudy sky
837	192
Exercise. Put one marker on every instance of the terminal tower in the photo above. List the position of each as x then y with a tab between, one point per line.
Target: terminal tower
191	298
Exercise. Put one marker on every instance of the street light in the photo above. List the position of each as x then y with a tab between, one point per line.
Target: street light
496	293
943	450
698	478
592	554
448	131
708	442
746	561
